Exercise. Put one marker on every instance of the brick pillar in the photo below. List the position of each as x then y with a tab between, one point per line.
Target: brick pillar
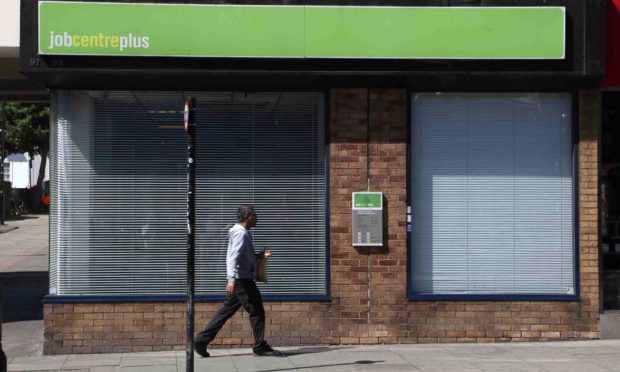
589	106
368	284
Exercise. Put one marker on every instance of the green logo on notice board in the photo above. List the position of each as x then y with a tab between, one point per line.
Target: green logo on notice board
367	200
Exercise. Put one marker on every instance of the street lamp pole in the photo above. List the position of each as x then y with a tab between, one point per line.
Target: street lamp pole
190	128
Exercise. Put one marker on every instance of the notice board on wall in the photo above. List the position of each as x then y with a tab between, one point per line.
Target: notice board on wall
367	219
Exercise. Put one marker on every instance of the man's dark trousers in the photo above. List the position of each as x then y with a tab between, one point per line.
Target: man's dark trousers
246	294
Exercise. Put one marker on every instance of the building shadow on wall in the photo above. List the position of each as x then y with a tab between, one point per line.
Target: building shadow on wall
22	295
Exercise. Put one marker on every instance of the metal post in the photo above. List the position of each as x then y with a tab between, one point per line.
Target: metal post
3	360
2	119
190	128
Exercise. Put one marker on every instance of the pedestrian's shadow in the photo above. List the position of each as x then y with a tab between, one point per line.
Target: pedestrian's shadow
21	217
296	368
305	350
312	350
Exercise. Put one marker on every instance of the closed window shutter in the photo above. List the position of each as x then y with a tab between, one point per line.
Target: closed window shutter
492	194
267	150
120	179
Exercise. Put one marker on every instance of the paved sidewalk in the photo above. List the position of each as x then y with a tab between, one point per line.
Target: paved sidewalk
570	356
25	247
22	338
23	279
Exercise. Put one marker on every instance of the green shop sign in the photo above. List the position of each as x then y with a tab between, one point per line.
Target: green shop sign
249	31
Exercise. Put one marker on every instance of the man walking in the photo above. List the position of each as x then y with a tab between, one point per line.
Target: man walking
241	289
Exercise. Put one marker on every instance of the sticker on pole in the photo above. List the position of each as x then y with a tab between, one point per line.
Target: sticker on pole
186	115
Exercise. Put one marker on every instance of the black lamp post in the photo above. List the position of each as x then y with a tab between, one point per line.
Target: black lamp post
190	128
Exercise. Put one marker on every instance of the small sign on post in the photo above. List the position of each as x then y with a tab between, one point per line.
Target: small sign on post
368	219
186	116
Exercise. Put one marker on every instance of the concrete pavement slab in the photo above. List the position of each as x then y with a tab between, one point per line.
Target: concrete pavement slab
217	363
94	360
333	357
22	338
417	357
336	368
591	356
37	363
609	365
213	352
439	366
148	359
423	352
386	367
351	359
250	363
25	248
369	356
38	261
105	369
154	368
561	366
6	228
342	367
507	366
488	354
333	362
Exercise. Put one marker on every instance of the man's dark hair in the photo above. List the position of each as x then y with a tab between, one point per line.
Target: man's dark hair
244	211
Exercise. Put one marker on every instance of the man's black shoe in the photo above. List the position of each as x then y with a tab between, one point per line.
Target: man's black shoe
268	351
201	349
